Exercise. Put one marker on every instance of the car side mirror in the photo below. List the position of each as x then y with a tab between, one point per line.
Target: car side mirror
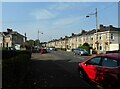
87	63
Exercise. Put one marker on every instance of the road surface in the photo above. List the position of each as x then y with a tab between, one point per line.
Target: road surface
54	69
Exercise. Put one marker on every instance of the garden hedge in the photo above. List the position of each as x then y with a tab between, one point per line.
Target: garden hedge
14	65
6	54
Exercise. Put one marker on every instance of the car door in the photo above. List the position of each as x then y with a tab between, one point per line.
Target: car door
78	51
108	72
91	66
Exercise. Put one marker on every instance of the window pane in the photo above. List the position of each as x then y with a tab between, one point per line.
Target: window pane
112	37
109	62
118	62
95	61
100	47
106	36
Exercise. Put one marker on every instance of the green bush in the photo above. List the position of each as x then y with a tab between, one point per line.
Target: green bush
64	49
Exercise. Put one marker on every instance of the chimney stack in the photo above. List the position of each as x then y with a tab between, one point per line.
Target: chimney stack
110	26
9	30
73	34
101	27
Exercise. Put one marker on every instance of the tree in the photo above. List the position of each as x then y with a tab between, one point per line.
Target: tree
86	46
31	42
37	43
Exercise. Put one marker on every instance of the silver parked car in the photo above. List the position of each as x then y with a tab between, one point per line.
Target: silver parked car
80	51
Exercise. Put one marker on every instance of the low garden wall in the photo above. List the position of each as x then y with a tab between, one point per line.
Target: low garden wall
115	51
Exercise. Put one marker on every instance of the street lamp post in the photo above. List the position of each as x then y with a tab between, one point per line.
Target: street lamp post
96	16
38	39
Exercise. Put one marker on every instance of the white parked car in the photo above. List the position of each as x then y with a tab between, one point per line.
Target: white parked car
80	51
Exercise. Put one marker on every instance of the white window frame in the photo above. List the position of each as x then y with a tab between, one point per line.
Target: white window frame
111	36
100	37
106	36
91	38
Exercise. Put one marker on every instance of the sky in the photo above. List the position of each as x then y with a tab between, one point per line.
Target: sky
56	19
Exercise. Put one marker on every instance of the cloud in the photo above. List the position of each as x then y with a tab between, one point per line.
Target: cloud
43	14
66	21
60	6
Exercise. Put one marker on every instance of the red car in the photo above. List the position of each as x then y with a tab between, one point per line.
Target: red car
43	51
103	70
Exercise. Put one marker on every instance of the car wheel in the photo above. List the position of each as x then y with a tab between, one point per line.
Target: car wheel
81	74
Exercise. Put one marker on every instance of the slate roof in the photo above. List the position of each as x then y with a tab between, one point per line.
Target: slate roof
12	33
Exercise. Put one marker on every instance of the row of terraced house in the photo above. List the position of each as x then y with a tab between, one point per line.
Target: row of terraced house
106	39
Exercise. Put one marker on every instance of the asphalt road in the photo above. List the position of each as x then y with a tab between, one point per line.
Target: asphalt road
54	69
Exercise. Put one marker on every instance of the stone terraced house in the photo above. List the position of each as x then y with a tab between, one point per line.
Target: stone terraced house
106	39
